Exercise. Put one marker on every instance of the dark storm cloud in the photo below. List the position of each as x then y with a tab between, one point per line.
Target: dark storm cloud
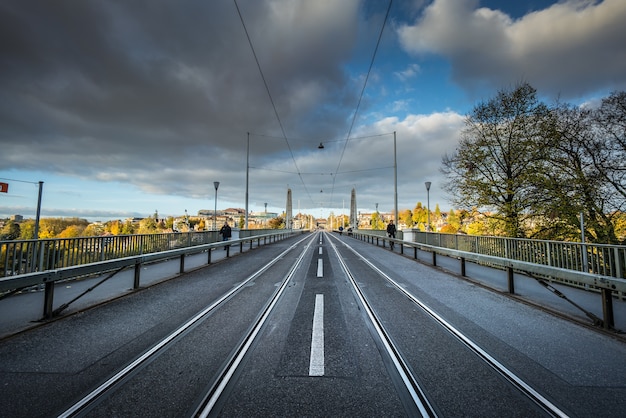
161	94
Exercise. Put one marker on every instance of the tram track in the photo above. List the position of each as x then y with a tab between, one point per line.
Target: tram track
83	406
403	365
386	349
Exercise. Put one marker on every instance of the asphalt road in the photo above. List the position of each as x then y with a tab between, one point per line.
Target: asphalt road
46	369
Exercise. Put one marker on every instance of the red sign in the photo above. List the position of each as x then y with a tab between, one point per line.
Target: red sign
4	187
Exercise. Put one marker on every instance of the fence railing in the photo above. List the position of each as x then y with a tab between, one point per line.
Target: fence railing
575	264
602	259
28	256
117	257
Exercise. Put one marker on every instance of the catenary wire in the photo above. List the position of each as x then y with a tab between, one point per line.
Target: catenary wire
269	93
356	111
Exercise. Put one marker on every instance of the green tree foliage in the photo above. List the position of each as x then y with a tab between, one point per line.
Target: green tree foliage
129	228
377	222
27	229
500	148
406	217
148	226
453	222
570	184
420	216
608	148
10	231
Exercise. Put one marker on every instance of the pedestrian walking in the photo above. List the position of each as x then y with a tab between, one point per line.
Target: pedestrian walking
391	232
226	233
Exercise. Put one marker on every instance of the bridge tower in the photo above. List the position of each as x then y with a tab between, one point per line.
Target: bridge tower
288	211
354	222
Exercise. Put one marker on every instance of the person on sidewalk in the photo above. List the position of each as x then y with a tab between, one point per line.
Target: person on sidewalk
226	233
391	232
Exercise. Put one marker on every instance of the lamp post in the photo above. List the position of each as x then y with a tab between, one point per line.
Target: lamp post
395	181
216	184
428	183
247	175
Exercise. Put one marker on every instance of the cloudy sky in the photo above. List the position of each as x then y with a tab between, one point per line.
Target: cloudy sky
123	108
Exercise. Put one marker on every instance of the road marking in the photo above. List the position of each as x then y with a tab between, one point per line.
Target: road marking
320	251
316	364
320	268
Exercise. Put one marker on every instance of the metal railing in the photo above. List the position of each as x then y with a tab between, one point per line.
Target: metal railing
97	256
574	264
28	256
602	259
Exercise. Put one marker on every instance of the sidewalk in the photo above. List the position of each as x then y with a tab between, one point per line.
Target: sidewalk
24	310
573	303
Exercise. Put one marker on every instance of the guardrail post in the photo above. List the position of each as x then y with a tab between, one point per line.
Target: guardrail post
434	259
209	256
182	264
510	280
401	248
618	263
463	266
415	253
241	246
137	275
48	299
607	309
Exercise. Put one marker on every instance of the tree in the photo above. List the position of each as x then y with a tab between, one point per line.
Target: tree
454	220
276	223
377	221
608	149
128	228
579	177
406	217
500	147
27	229
437	215
72	231
147	226
10	231
420	215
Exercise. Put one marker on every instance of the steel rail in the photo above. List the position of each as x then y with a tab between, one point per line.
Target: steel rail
511	377
415	390
211	398
90	399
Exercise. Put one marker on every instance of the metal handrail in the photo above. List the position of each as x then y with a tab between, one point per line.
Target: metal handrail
601	259
28	256
491	256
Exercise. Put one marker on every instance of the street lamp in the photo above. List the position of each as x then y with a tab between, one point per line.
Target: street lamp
428	204
395	178
216	184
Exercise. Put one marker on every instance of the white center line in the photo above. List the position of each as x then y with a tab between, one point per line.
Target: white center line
320	267
316	364
320	251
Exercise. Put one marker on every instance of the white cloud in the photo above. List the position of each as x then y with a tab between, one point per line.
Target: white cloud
410	72
572	48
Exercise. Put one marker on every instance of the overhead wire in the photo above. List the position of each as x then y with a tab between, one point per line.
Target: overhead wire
353	117
356	111
269	93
